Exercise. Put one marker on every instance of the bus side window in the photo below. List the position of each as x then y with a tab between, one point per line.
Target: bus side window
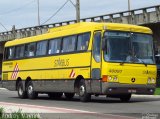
5	54
30	50
96	46
54	46
69	44
41	48
83	41
19	51
10	53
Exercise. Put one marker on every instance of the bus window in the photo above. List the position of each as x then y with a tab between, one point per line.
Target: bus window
10	53
30	50
83	41
96	46
69	44
19	51
41	48
54	46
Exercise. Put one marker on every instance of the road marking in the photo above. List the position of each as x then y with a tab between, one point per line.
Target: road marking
26	108
3	89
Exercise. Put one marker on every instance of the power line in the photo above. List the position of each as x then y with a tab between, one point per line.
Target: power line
3	26
55	12
72	3
16	9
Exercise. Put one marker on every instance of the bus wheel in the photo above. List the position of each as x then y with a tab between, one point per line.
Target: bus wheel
83	95
21	92
30	91
125	98
69	95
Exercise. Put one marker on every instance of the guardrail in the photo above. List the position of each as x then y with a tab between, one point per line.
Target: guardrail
137	16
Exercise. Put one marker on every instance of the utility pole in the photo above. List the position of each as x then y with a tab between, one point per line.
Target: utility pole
14	31
38	13
129	13
78	10
129	5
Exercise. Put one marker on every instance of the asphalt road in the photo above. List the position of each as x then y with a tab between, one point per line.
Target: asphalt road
103	108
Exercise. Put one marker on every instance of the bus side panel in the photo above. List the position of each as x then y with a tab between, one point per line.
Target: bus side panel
51	73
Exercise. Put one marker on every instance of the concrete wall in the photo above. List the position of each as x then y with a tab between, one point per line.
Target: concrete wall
156	35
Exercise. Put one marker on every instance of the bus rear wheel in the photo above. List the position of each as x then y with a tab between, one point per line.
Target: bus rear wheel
69	95
21	92
30	91
125	98
83	95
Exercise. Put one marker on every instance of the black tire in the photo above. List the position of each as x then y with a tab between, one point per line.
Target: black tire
125	98
30	91
69	95
21	91
83	95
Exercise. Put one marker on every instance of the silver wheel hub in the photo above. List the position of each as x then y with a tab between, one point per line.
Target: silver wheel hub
81	90
20	90
30	89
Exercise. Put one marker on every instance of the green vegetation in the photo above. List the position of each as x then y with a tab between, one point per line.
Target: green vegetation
157	92
1	112
17	115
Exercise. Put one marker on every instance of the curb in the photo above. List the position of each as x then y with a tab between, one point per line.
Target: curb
3	88
146	96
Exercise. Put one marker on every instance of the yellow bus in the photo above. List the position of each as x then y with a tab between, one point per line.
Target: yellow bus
87	58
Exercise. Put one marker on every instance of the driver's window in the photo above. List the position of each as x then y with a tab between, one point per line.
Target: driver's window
97	46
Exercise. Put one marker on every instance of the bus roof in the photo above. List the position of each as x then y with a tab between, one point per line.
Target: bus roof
79	28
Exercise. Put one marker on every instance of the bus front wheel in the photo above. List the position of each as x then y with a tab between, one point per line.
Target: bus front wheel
21	92
125	98
83	95
30	91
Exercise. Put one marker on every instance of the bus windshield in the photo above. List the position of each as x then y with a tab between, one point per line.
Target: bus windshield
128	47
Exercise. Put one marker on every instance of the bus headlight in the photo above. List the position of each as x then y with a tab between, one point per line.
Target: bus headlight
149	80
153	80
115	79
110	78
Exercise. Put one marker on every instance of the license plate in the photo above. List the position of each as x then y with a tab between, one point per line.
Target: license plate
132	91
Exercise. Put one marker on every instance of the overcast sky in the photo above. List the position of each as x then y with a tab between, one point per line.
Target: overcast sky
23	13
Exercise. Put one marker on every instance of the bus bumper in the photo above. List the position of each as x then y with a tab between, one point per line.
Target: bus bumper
116	88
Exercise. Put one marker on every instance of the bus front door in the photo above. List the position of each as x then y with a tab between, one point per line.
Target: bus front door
96	63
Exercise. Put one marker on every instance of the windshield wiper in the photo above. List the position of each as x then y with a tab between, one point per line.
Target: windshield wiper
127	59
122	63
140	60
132	60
